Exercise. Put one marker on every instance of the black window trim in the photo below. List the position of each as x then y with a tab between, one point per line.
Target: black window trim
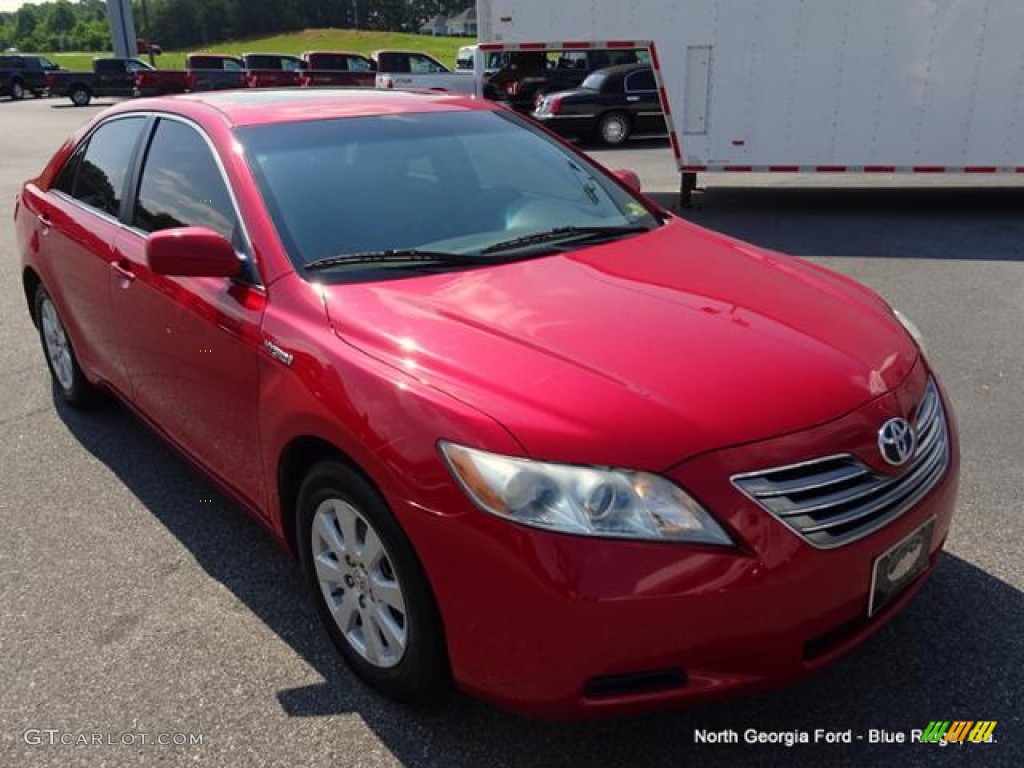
251	276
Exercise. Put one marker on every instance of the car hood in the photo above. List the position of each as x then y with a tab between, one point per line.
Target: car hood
641	352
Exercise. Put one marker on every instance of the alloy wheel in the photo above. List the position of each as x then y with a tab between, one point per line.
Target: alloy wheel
58	349
359	583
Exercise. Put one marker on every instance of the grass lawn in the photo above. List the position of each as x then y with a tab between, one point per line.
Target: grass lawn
442	48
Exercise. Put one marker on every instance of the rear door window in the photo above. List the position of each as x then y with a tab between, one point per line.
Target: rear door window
640	81
98	179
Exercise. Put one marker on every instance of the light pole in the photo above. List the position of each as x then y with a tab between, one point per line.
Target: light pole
149	31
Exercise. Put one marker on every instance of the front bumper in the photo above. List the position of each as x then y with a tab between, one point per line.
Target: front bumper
564	626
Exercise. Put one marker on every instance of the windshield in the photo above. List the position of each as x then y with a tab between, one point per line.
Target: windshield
462	183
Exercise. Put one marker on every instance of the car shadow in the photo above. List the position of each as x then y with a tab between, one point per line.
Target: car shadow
953	654
98	104
634	142
975	223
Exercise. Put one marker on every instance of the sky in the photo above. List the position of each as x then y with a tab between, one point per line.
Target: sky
11	5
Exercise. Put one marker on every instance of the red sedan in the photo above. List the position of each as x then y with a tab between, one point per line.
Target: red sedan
526	431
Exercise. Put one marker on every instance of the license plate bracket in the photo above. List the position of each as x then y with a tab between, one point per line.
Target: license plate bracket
893	570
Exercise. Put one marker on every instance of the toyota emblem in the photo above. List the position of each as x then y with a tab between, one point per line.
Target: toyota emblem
896	441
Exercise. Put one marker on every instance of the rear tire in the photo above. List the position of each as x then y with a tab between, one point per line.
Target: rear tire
80	96
68	380
613	128
17	90
368	585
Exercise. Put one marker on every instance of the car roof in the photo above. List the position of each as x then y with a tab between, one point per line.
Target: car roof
266	106
621	70
335	51
404	50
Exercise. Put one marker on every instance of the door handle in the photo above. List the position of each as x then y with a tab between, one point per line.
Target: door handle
44	222
122	270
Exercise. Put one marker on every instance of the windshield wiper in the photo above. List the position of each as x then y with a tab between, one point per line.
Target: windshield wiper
562	233
397	256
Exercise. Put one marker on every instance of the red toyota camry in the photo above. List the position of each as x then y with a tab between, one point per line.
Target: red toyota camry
526	431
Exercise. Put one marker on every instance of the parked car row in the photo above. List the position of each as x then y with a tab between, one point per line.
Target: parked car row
213	71
574	93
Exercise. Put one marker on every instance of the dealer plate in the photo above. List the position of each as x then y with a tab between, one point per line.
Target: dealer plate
899	565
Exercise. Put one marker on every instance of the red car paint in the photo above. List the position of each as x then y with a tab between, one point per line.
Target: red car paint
680	351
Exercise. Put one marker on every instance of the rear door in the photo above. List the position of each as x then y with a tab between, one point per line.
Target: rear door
641	94
113	77
77	222
192	343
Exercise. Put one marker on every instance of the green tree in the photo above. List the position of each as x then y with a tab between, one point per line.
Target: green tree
26	19
59	17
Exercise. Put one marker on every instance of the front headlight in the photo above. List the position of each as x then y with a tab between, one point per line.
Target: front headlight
911	327
586	501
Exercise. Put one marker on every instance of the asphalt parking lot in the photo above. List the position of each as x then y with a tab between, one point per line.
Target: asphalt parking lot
136	599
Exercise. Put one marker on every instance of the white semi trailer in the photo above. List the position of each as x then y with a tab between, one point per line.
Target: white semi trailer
838	86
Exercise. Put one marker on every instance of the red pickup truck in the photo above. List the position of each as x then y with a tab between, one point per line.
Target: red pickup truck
214	72
337	68
272	70
158	82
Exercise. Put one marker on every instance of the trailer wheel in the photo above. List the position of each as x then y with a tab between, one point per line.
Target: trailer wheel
613	128
17	90
80	96
687	184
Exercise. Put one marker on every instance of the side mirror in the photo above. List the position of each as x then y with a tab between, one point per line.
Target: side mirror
629	178
192	252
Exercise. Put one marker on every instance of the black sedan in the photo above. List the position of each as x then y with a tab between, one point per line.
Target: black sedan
611	105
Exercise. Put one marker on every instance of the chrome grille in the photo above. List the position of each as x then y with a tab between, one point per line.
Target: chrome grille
838	499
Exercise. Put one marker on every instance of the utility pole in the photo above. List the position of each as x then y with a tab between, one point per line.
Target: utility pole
122	28
149	32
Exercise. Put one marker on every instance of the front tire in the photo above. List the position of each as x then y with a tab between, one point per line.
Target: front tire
80	96
613	128
17	90
68	380
368	585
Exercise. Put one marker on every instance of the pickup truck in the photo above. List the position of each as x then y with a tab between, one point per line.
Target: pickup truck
528	76
21	73
214	72
272	70
115	77
493	60
413	69
337	68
